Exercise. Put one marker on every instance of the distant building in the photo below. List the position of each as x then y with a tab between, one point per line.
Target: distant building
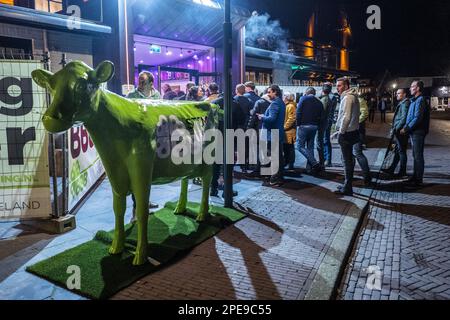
307	62
437	89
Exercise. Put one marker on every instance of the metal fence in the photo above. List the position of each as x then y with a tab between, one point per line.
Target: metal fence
35	177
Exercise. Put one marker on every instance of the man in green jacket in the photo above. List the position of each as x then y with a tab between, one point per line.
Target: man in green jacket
360	145
400	140
145	89
364	114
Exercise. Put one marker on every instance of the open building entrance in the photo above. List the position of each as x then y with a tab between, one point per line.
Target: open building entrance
174	63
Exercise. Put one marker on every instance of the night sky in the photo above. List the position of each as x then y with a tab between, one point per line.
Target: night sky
414	39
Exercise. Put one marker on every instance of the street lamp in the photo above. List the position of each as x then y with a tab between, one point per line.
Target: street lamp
394	86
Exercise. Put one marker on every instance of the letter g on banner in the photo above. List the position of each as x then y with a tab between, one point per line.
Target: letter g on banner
9	96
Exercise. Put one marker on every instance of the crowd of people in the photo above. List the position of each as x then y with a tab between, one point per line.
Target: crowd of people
307	124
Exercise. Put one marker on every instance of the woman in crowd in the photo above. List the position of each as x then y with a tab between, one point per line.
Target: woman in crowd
195	94
290	130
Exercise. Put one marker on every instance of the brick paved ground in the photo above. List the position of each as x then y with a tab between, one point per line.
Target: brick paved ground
406	234
273	255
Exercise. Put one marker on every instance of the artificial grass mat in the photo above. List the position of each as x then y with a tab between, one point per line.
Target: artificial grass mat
169	236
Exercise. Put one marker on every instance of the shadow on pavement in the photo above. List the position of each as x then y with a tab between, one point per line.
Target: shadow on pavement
435	189
17	251
436	214
314	196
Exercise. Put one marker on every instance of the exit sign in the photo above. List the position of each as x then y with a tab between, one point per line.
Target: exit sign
297	67
155	49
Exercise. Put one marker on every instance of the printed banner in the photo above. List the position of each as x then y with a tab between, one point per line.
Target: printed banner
24	174
85	166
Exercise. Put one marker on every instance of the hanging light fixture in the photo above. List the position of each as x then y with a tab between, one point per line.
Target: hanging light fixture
181	53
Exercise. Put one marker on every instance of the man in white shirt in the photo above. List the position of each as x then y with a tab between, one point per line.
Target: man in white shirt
347	130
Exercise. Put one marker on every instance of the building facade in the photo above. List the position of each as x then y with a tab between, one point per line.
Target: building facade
437	89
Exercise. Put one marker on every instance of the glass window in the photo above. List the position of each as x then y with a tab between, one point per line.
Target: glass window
48	5
15	48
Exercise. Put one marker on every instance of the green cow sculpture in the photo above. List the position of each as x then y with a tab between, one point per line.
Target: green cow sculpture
125	134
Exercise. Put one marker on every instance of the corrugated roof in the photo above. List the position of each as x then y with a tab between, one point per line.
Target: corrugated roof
184	20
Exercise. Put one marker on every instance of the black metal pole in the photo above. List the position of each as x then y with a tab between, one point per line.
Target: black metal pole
52	162
227	45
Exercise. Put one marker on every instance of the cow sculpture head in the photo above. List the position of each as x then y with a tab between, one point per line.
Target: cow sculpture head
75	93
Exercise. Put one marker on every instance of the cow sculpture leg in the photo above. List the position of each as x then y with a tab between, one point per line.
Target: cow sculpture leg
142	195
204	205
182	201
119	205
141	178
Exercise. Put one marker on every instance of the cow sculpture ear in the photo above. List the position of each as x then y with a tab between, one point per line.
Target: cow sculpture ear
104	72
42	78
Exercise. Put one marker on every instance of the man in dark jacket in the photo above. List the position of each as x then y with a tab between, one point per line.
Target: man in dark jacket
417	126
275	114
260	108
309	116
184	96
169	94
242	114
250	93
324	147
254	123
217	168
273	119
400	140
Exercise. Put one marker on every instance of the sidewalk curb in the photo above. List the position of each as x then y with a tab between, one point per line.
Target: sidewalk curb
327	279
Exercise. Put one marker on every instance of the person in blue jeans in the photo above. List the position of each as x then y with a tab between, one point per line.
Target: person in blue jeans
401	140
309	116
273	119
417	126
329	101
347	131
